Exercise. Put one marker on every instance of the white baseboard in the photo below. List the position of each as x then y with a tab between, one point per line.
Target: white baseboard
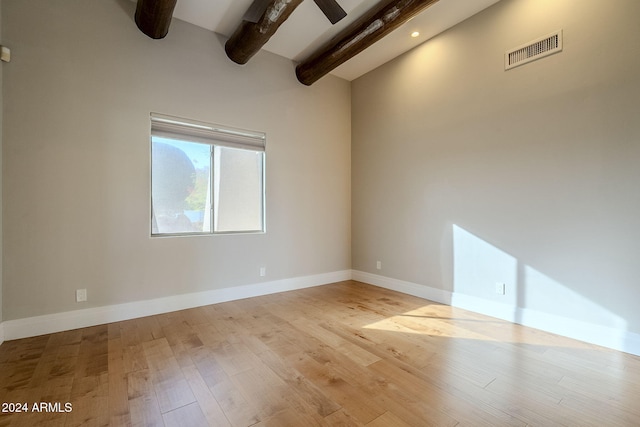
426	292
617	339
50	323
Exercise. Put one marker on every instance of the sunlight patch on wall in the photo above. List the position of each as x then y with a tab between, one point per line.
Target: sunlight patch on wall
529	293
540	290
478	266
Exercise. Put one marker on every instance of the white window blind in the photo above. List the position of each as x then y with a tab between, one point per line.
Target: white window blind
205	178
178	128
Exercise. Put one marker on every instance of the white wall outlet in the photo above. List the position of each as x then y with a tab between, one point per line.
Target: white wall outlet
81	295
263	271
5	54
379	265
501	288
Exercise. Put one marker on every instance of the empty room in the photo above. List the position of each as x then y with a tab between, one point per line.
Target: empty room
327	213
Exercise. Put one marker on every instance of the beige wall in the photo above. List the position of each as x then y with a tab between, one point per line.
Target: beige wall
77	99
465	175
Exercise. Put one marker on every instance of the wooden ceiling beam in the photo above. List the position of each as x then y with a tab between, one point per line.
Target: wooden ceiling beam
358	36
153	17
249	37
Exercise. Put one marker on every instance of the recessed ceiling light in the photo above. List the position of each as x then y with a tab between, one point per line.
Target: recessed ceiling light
415	34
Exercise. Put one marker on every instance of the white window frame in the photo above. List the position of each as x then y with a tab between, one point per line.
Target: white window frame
192	131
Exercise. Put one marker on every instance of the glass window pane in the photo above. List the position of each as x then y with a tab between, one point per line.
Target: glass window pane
238	190
180	186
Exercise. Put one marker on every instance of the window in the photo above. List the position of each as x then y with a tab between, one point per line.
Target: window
205	179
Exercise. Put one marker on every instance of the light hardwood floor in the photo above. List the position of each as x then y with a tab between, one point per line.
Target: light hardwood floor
345	354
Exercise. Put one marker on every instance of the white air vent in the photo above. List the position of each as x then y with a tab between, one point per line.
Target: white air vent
539	48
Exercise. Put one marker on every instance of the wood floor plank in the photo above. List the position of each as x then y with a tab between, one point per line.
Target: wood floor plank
236	408
306	390
388	419
345	354
263	390
143	404
354	352
118	387
189	415
145	412
210	407
357	403
290	418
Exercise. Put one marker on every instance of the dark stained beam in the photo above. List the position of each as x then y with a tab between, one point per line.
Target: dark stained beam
365	31
153	17
249	37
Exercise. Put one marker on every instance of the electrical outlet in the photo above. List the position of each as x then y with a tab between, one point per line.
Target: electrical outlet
5	54
263	271
379	265
500	288
81	295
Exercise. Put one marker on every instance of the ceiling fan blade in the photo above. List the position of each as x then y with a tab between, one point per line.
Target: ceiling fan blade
331	9
255	11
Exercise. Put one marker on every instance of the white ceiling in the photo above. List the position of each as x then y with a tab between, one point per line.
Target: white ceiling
307	28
